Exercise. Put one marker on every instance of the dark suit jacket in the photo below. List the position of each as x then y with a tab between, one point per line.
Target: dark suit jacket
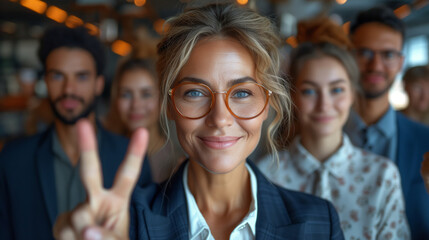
413	142
282	214
28	204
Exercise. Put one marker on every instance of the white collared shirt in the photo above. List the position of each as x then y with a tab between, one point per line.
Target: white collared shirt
198	228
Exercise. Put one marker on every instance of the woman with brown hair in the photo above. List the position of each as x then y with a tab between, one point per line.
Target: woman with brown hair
135	104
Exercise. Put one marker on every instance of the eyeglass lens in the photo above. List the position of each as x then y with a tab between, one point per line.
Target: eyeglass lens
388	56
244	100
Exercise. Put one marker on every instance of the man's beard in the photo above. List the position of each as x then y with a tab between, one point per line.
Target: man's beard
375	95
71	121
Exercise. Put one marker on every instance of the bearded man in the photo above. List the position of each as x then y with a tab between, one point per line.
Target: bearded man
39	175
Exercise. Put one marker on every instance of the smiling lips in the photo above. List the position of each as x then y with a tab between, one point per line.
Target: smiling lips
135	117
374	78
219	142
69	104
323	119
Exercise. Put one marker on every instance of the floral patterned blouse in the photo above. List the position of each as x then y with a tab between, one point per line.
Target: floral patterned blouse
365	188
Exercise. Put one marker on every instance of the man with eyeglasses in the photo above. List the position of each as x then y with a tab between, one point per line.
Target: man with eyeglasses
378	37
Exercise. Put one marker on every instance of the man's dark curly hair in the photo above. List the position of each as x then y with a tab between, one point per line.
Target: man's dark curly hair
61	36
380	14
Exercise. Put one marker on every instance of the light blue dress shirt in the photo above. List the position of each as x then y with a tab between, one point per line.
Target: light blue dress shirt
380	138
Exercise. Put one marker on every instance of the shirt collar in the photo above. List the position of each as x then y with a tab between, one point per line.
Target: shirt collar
198	227
305	162
386	125
58	150
355	122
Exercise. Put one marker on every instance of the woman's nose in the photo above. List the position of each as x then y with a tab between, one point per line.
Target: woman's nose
219	116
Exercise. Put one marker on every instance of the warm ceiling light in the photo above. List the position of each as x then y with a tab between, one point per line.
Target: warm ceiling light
160	26
93	30
139	3
402	11
56	14
73	21
341	2
35	5
292	41
242	2
121	47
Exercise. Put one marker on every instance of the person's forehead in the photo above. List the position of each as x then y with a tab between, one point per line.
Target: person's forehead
71	58
377	34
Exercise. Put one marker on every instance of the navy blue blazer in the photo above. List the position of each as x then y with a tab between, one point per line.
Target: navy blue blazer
28	204
161	213
413	142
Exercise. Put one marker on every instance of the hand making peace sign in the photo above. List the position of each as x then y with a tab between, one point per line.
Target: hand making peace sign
105	213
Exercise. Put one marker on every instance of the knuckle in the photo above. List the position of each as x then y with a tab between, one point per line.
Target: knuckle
67	234
80	216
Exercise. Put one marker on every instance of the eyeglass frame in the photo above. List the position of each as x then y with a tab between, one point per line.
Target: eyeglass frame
171	91
397	54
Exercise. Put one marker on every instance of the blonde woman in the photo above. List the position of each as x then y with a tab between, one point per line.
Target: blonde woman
219	71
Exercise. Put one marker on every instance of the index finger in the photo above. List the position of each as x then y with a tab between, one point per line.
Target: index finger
130	168
90	170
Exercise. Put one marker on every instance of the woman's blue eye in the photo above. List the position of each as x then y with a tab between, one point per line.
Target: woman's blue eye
241	94
338	90
194	93
146	95
308	92
126	95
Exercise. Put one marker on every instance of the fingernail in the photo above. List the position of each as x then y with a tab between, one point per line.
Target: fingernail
92	234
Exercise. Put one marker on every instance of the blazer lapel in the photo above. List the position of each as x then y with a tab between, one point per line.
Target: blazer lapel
406	153
169	217
45	170
269	231
273	220
108	164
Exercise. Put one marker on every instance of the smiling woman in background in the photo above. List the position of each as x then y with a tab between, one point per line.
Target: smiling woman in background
364	188
135	104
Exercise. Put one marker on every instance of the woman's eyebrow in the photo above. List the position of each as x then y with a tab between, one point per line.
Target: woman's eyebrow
230	82
240	80
192	79
315	83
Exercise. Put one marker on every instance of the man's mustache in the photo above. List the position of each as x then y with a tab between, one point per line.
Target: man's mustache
384	75
69	96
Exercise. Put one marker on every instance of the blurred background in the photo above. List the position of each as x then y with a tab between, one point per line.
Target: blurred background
136	25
